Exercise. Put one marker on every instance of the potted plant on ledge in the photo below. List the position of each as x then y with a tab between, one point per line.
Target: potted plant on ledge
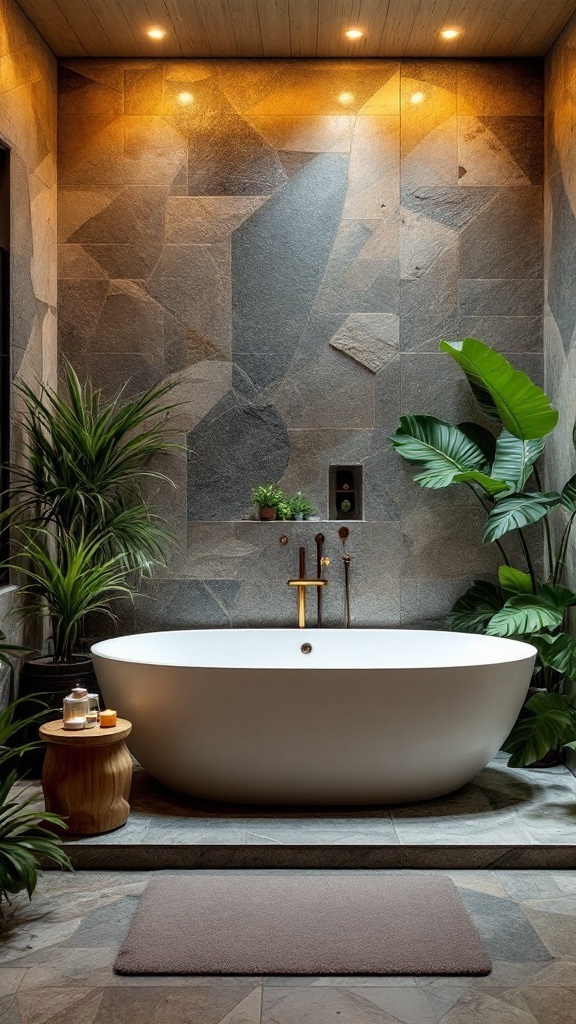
267	498
82	533
502	472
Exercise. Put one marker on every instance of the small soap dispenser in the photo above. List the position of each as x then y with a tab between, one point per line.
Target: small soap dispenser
75	708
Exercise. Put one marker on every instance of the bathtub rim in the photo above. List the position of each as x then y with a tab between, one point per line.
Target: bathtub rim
524	651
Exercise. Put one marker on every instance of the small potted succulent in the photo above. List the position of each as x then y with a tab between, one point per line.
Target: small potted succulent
300	506
268	498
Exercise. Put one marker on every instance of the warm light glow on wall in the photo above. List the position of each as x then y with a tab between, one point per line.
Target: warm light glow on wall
185	98
417	97
156	33
450	33
345	99
354	33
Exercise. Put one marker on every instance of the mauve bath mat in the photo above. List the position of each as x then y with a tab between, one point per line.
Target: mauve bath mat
301	923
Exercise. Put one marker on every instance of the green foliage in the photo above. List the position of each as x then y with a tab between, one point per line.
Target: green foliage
300	505
77	512
441	449
517	511
502	472
547	721
67	577
267	496
503	393
23	834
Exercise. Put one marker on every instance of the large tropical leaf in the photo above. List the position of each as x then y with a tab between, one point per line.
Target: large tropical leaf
514	581
472	612
502	392
524	613
568	496
482	437
558	653
442	449
517	511
547	721
557	595
514	459
488	484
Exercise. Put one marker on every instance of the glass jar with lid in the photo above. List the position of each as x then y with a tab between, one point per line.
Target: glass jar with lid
75	708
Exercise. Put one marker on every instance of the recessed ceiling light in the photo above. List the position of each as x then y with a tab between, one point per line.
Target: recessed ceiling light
345	99
186	98
417	97
156	33
354	33
450	33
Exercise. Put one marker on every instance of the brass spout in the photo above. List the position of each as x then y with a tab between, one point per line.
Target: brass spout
302	584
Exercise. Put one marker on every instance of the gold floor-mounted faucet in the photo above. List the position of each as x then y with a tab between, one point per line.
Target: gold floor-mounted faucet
302	583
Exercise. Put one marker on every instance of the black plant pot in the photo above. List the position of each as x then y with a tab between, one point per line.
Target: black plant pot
51	681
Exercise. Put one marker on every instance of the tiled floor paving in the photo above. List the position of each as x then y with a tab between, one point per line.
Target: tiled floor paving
56	957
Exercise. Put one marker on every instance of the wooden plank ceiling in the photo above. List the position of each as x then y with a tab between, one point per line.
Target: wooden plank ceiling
298	28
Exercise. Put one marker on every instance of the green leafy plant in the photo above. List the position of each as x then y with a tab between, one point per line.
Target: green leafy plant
500	468
72	580
23	835
300	505
82	529
267	496
84	461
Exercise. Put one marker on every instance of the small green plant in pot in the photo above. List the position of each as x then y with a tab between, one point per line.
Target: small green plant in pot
83	534
268	499
300	506
502	473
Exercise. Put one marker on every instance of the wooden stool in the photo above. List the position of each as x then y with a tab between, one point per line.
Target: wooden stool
87	775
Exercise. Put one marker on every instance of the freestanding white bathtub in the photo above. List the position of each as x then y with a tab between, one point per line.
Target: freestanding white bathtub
366	716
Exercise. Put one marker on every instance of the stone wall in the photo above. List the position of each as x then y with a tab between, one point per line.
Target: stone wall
28	127
560	256
294	238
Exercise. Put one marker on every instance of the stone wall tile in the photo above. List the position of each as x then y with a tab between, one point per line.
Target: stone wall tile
307	134
326	391
328	88
433	384
374	171
505	239
508	334
77	205
500	87
229	454
427	602
91	152
115	371
445	542
132	216
142	92
429	302
154	151
500	296
83	96
371	339
433	159
500	150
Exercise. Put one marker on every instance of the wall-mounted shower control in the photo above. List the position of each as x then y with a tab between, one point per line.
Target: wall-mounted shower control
345	492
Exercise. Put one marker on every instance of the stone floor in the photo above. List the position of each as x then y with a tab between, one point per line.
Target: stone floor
56	957
505	818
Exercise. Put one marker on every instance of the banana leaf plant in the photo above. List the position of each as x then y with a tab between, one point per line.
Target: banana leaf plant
497	460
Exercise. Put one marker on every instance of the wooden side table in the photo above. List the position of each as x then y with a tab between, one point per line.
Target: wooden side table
87	775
